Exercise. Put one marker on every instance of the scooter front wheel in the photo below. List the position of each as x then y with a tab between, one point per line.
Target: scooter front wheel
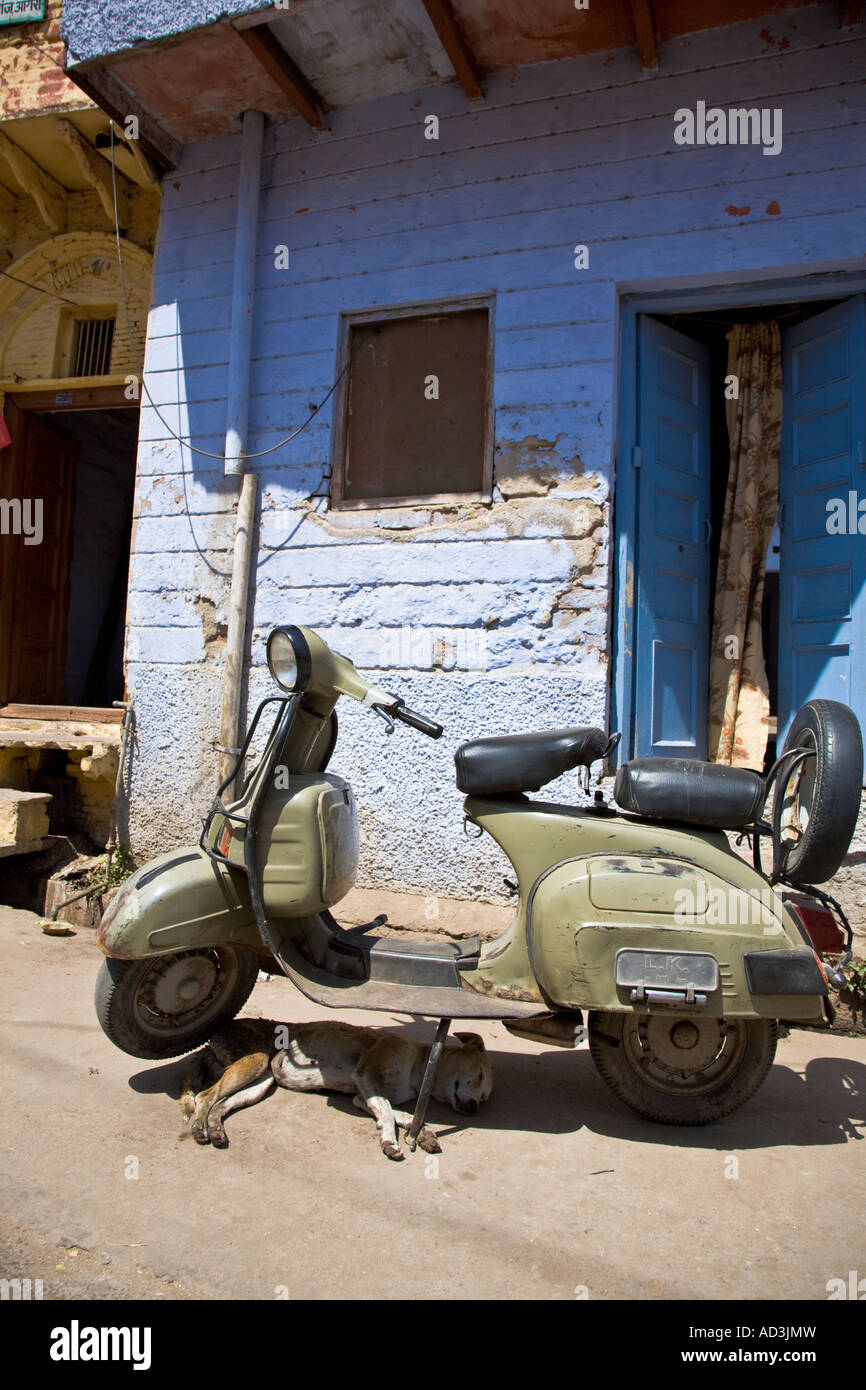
167	1005
682	1070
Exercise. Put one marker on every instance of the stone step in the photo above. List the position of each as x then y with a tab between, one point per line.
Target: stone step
23	821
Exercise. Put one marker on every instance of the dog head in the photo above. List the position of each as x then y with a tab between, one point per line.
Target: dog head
465	1076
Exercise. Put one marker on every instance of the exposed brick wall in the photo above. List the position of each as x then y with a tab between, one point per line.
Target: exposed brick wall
32	81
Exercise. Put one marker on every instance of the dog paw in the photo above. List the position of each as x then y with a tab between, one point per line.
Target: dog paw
392	1150
220	1140
200	1134
428	1142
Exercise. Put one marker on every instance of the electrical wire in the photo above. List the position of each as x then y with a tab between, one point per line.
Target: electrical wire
40	290
262	453
44	51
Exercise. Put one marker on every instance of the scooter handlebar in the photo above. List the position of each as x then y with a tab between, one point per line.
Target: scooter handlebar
417	721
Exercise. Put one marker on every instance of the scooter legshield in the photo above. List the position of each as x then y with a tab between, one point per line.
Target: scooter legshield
181	901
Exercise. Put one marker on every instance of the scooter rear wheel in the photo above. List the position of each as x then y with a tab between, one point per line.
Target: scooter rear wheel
168	1005
682	1070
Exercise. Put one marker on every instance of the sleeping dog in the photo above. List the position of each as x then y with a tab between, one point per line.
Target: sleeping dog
380	1070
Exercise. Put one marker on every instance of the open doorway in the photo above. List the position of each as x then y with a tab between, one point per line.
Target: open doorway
67	481
105	443
711	328
670	506
65	563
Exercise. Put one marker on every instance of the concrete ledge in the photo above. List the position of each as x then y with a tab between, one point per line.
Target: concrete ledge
23	821
58	733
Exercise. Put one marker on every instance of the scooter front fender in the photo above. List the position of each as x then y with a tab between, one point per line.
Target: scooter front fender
181	901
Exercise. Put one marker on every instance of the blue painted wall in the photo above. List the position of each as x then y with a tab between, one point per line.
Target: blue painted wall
575	152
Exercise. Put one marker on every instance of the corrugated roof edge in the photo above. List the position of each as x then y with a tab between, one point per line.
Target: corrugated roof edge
92	33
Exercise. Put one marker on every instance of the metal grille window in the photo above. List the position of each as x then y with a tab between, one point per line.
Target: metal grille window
91	347
415	419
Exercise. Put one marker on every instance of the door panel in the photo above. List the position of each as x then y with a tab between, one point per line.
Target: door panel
822	614
673	508
39	464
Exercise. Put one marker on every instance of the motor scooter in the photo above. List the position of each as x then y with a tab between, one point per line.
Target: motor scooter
637	927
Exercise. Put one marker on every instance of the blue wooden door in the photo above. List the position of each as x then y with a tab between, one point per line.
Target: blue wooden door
671	657
822	581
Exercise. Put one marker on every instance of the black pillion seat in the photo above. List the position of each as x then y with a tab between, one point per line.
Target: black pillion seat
525	762
694	793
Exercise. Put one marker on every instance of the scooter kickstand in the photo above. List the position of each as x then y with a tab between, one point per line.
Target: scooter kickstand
427	1084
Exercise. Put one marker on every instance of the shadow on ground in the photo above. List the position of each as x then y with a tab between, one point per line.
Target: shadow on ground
559	1092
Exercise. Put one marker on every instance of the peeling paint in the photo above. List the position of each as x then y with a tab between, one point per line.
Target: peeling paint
530	467
571	519
213	632
768	38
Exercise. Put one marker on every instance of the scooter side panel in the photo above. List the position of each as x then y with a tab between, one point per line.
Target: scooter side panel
180	901
546	841
538	834
583	912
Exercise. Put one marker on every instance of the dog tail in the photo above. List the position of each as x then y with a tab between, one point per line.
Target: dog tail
194	1080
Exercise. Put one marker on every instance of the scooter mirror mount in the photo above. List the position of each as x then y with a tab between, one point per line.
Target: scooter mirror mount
300	661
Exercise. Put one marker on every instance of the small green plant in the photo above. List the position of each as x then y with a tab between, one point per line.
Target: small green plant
857	977
105	879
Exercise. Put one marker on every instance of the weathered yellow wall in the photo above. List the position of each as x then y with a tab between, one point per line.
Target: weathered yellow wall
76	256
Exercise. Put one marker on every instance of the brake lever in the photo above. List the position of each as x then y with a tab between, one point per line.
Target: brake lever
383	714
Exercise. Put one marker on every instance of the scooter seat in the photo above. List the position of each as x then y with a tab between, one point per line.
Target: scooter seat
694	793
525	762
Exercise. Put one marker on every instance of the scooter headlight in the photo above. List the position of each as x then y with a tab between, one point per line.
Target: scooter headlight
289	658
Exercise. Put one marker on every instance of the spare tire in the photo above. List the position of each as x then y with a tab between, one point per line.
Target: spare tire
817	802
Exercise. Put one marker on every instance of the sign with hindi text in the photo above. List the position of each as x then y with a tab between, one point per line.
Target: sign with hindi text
21	11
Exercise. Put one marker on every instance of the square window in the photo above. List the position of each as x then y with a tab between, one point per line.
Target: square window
85	340
91	347
416	409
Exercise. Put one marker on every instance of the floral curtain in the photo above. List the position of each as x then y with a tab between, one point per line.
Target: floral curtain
739	704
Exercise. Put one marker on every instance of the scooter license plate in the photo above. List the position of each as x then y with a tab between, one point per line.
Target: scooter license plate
666	970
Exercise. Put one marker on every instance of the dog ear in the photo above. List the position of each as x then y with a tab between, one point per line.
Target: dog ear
471	1040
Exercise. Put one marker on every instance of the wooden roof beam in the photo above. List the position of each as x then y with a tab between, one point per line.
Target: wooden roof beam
48	195
118	102
645	33
96	171
8	208
287	75
453	40
149	171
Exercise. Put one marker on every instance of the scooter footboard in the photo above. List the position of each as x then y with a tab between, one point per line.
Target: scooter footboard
182	900
636	933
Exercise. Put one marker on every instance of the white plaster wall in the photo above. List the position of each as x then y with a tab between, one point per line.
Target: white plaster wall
849	885
410	809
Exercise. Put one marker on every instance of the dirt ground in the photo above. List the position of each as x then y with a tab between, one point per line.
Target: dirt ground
553	1191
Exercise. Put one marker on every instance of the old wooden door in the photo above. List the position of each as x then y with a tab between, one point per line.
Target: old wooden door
822	619
37	467
672	592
